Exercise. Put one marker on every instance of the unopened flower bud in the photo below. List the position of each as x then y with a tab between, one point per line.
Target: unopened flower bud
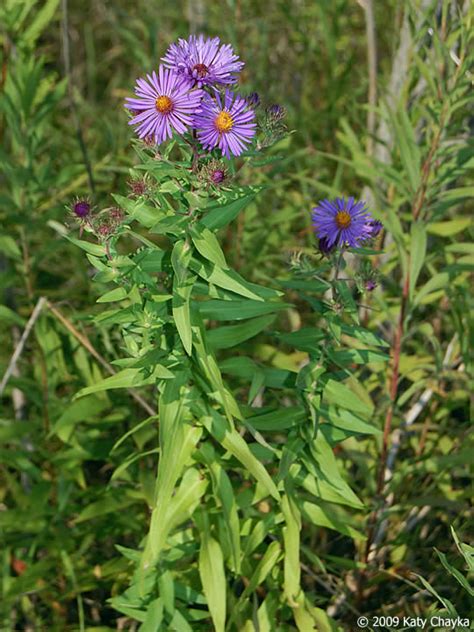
81	209
253	99
324	247
218	176
137	186
276	112
375	228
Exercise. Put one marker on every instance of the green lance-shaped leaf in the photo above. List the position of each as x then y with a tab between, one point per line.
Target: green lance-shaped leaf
181	311
264	567
455	573
409	151
117	294
226	279
177	442
220	216
325	515
343	418
41	21
224	494
450	227
325	467
216	309
431	287
128	378
93	249
232	335
340	394
210	369
180	258
211	571
466	550
183	283
417	253
311	619
207	245
146	214
187	498
231	440
291	539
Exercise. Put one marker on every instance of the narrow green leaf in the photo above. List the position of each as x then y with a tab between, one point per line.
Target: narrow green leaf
232	335
9	317
9	247
325	468
224	494
41	21
455	573
439	280
208	246
231	440
291	539
106	505
181	310
264	567
92	249
279	420
226	279
177	442
239	309
211	571
450	227
324	517
186	499
340	394
183	283
117	294
154	616
466	550
138	210
417	253
127	378
220	216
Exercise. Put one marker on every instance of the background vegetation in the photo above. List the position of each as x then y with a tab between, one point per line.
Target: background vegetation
378	97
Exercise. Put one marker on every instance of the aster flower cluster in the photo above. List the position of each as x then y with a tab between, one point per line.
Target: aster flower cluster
191	91
343	223
103	224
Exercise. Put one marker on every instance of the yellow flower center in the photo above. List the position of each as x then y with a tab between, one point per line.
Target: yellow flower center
164	104
343	219
224	122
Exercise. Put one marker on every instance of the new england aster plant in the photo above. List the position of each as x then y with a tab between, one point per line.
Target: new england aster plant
173	287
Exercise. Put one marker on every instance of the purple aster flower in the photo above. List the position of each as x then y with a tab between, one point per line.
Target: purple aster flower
342	222
164	103
375	227
225	122
370	285
205	62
